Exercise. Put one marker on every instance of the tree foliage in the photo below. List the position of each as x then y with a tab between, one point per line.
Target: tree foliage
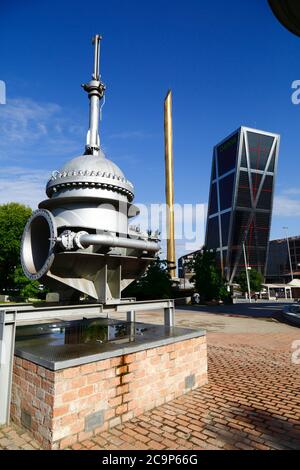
255	279
207	277
156	283
13	217
24	287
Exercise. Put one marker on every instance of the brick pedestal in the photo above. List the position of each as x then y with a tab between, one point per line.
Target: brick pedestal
67	406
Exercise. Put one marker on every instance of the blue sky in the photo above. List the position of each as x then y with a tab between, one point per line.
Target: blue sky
227	63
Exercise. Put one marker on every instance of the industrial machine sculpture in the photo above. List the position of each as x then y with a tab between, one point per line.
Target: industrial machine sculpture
79	241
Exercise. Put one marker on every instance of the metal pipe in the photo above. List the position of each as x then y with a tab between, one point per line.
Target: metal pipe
169	316
96	40
169	182
95	89
94	121
86	240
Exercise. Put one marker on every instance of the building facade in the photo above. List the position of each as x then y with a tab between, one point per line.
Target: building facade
241	199
283	260
185	270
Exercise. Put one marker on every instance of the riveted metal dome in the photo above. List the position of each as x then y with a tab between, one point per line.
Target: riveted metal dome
92	163
89	171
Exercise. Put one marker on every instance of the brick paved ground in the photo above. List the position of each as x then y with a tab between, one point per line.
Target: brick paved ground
252	401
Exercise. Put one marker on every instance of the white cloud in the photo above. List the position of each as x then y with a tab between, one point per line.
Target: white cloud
23	119
31	133
23	185
27	126
285	206
292	191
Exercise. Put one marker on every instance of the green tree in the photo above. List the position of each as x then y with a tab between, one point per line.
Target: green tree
255	279
24	287
13	217
156	283
207	277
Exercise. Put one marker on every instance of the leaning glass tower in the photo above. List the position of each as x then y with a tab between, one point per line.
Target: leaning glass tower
241	199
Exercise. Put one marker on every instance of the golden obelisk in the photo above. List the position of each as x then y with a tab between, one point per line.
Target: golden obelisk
169	183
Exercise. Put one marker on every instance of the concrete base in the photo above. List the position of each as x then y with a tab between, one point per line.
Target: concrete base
73	402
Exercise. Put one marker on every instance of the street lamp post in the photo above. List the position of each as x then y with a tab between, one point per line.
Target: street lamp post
288	13
289	251
247	272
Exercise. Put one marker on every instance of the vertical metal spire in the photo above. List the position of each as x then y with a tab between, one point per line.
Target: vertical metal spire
169	183
96	40
95	89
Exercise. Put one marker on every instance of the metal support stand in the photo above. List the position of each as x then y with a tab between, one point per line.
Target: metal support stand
7	347
169	316
11	316
130	316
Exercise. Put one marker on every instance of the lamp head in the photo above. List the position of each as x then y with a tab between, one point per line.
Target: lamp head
288	13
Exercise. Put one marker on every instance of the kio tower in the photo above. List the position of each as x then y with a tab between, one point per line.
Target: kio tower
241	199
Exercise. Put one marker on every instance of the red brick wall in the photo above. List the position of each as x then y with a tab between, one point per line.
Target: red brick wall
61	404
